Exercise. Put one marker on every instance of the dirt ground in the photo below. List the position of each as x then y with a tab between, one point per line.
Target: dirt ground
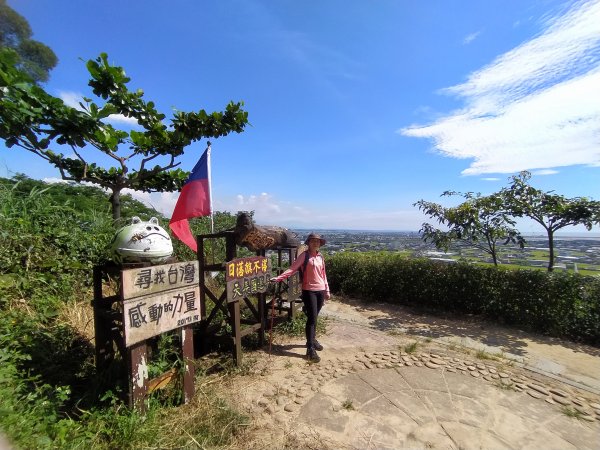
292	403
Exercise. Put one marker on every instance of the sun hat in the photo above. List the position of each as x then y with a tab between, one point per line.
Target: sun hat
315	236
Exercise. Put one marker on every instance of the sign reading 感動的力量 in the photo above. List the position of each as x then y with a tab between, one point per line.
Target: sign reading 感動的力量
158	299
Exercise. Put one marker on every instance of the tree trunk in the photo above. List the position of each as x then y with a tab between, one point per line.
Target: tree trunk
115	203
551	248
495	259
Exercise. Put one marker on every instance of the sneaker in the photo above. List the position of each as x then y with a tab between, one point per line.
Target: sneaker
312	356
317	346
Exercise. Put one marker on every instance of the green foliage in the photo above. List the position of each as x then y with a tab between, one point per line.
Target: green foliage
35	58
50	395
558	304
551	211
479	221
215	248
296	327
145	160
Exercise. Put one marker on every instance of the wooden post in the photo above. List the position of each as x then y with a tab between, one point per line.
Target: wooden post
234	314
137	365
187	350
101	327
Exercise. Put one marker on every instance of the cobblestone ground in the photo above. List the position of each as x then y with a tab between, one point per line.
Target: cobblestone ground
374	390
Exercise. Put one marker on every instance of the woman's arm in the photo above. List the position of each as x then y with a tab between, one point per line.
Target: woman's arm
292	269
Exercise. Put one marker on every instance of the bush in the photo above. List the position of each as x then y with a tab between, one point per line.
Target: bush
559	304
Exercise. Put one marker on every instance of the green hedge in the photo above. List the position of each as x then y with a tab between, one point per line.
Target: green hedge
558	304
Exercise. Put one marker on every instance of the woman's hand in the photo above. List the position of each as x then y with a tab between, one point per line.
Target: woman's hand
327	295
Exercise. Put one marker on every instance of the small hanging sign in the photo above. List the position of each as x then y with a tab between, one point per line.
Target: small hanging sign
247	276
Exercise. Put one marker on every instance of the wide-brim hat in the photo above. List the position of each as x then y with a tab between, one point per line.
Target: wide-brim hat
315	236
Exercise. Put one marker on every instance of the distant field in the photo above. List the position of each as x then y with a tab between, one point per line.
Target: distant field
580	252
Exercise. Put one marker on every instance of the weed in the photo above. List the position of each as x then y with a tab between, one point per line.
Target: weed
571	412
296	327
412	347
395	332
482	354
348	405
505	386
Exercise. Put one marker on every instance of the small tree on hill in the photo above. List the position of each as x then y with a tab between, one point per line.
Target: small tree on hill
144	160
481	222
551	211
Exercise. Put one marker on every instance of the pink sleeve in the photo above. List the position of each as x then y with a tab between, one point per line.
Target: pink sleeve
293	268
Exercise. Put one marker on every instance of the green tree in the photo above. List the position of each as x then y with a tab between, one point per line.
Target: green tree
551	211
480	221
144	160
36	58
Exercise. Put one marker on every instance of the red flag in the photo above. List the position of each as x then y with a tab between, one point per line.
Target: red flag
194	201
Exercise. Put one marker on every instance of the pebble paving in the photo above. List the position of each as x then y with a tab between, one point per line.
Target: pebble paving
316	375
287	398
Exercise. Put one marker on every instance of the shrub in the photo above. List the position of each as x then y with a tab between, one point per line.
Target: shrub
557	303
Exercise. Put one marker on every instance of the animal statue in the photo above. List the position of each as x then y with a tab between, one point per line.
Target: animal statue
260	237
142	242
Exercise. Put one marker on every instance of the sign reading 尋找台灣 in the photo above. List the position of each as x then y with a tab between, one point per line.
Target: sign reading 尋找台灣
158	299
247	276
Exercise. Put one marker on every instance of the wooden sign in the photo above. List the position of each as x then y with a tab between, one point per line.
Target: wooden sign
145	317
156	279
158	299
247	276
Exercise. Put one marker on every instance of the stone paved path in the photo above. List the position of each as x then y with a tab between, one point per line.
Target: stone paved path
369	392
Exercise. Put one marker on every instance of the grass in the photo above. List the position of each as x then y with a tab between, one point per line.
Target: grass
571	412
348	405
504	386
296	327
412	347
482	354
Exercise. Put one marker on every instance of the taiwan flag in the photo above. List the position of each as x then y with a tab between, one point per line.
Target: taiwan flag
194	201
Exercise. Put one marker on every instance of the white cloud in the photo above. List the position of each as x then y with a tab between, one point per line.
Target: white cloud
73	99
535	107
471	37
491	179
545	172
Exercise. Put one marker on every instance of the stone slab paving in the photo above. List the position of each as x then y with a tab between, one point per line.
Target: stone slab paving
378	396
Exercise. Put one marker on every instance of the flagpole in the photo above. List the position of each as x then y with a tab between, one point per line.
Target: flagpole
212	222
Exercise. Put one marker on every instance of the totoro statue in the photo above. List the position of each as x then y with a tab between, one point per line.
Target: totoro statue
142	242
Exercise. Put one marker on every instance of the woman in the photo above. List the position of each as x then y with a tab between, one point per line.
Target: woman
315	289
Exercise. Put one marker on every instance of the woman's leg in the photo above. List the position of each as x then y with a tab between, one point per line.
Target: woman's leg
313	302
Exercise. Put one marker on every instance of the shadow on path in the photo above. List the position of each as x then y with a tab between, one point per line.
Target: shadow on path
411	321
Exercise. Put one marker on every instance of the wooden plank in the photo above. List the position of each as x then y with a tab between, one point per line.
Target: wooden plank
153	280
161	381
250	329
146	317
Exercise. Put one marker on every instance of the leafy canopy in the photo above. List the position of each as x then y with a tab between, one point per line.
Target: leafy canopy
480	221
35	58
145	156
552	211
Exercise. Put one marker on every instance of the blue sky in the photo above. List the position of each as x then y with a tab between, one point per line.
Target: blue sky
357	108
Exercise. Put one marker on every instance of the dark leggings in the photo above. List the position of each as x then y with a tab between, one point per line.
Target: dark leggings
313	302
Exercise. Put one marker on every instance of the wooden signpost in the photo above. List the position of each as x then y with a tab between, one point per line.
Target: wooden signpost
158	299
